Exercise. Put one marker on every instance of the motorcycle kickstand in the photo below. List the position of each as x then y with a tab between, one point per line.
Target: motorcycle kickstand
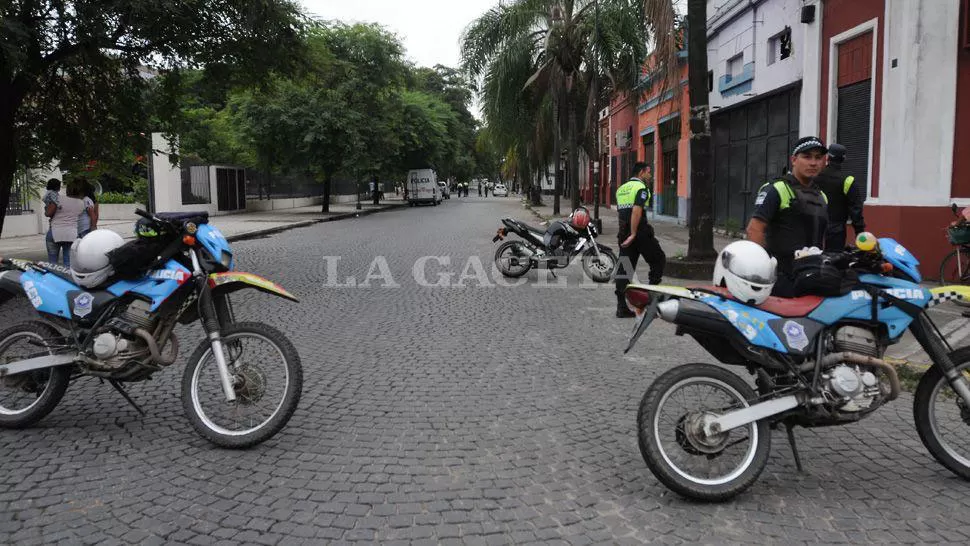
124	393
794	448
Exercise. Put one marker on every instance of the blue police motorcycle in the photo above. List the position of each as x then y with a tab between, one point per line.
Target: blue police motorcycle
240	386
704	431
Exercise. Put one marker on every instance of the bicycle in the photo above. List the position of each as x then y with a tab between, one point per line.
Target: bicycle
955	267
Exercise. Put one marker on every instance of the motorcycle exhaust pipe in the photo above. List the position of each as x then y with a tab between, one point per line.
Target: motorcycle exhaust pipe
696	316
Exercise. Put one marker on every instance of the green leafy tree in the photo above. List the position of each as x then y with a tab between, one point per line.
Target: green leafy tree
558	42
72	86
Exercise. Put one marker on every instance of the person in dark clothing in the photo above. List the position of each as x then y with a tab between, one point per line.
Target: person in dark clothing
376	191
791	213
845	196
636	235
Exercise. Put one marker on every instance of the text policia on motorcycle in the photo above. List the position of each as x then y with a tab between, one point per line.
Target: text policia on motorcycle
636	236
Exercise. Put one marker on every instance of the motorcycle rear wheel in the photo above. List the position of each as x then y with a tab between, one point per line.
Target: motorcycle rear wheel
251	349
506	252
28	397
670	443
942	418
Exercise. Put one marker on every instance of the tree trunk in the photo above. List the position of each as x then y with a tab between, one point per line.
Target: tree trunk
327	184
573	155
8	149
556	152
700	245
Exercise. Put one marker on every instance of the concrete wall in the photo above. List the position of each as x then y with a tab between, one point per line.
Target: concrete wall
280	204
919	98
25	224
746	27
117	211
167	178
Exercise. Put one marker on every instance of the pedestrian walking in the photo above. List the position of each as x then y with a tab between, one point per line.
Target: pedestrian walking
636	235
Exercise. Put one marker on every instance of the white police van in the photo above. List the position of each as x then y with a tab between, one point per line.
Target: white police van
422	186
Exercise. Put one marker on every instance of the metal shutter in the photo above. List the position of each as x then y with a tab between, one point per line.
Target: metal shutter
853	128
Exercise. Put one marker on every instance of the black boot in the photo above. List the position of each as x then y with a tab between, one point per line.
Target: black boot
622	310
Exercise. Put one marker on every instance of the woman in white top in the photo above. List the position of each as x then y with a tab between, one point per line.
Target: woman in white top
64	218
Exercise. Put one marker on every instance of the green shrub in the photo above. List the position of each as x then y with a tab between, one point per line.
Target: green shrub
112	197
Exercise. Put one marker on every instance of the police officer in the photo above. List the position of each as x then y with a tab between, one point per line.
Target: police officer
845	199
792	212
636	235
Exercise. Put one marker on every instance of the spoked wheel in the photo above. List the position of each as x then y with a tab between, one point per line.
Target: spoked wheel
267	379
943	418
670	426
600	266
28	397
512	259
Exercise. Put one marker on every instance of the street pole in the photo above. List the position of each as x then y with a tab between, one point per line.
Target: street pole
596	101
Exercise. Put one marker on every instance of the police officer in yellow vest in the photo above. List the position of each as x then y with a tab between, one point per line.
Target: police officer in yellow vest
792	212
636	235
846	197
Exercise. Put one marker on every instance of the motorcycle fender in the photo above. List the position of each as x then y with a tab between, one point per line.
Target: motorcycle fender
943	294
232	281
10	282
670	290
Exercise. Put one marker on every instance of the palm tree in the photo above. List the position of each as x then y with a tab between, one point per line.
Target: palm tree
664	22
535	57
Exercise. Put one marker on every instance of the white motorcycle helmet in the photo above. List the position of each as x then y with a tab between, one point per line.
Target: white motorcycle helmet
746	270
89	257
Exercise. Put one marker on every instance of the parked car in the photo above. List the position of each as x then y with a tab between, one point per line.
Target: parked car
500	191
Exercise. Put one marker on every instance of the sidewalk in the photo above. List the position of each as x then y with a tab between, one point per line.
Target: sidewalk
235	227
671	232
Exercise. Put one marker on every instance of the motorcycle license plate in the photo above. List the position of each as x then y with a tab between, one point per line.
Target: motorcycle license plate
644	318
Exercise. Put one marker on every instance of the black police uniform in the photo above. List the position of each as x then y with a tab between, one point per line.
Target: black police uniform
797	217
634	193
845	202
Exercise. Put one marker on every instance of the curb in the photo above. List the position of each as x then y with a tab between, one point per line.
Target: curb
255	234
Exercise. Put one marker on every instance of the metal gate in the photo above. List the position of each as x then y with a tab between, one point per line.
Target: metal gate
852	129
752	143
667	174
231	188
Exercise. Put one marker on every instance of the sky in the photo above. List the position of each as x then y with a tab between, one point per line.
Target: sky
429	29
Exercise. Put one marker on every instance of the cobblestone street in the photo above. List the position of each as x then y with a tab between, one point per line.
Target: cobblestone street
479	412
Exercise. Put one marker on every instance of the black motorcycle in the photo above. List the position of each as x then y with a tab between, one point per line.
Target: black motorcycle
554	248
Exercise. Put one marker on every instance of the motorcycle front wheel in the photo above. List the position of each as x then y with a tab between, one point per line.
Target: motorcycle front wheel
676	449
512	259
599	267
267	379
942	417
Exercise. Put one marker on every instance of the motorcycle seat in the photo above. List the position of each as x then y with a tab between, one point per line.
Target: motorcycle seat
783	307
533	229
